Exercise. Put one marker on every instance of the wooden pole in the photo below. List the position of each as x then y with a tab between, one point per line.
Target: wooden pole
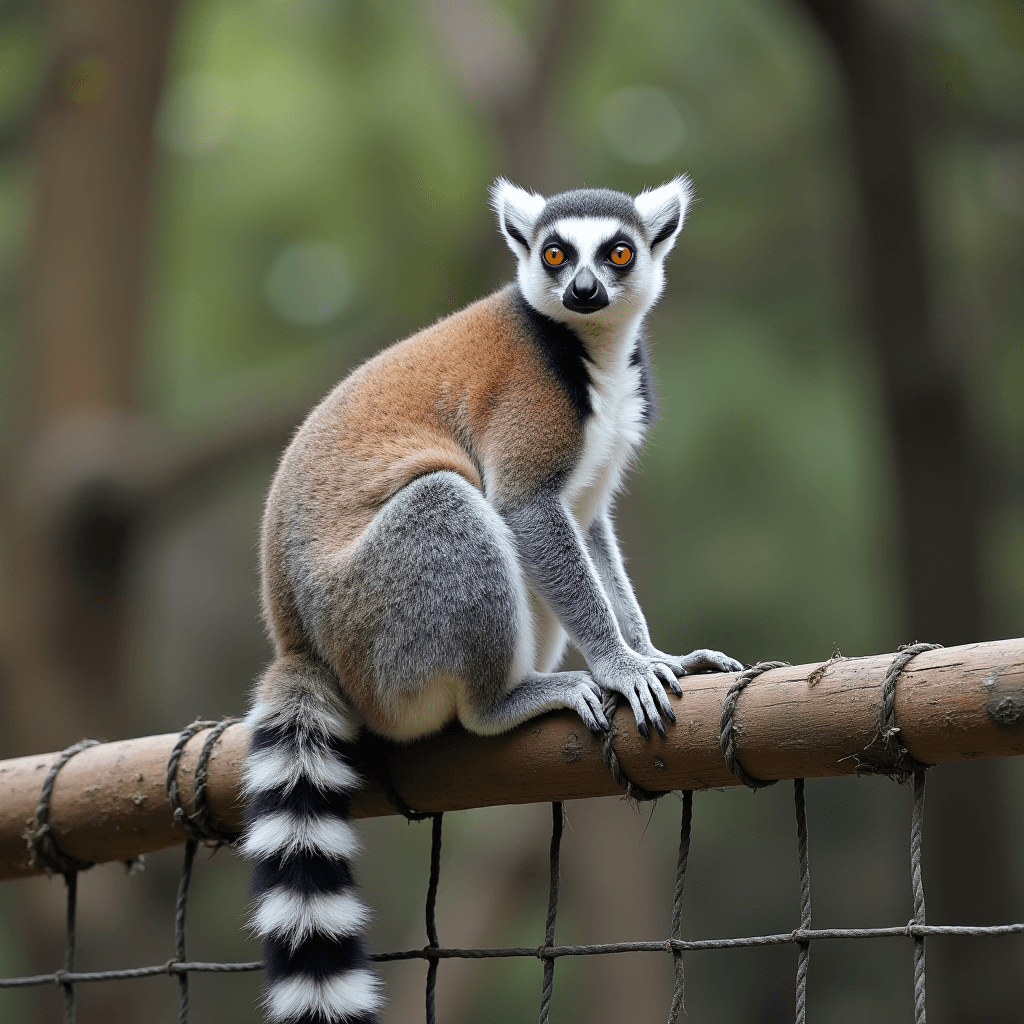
956	704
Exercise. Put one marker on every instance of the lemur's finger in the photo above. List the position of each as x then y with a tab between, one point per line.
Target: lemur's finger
664	673
592	724
636	707
651	681
665	677
675	670
661	699
638	712
593	702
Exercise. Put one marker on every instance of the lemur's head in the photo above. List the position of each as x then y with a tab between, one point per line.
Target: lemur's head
591	258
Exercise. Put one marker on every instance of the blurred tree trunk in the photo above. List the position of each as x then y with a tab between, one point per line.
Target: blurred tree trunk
939	488
65	535
935	456
77	366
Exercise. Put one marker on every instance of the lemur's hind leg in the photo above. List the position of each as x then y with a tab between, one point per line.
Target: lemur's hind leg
536	693
432	620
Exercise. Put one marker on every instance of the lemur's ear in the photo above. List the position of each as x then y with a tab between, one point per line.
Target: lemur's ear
663	210
517	212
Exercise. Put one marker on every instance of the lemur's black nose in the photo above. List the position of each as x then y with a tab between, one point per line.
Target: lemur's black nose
585	294
584	286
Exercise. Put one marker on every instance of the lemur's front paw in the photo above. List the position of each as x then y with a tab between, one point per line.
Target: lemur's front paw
584	697
641	680
702	660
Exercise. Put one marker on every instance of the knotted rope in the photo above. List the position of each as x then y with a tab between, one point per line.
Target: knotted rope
200	828
727	722
42	848
633	790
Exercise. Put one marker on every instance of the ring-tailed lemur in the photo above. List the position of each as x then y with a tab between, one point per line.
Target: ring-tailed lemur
438	528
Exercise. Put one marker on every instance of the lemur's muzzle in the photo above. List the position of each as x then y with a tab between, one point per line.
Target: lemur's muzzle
585	293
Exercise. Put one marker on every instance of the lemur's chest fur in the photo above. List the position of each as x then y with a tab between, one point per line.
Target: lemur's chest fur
606	377
612	433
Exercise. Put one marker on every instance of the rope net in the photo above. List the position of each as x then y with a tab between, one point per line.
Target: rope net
890	759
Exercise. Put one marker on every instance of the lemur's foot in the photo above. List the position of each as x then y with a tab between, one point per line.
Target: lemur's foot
584	697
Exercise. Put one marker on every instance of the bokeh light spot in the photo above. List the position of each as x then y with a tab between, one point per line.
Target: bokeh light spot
641	124
308	283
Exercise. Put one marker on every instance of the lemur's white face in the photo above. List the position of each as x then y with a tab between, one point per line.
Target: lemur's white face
592	258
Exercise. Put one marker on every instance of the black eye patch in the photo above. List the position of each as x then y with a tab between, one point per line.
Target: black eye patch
607	247
554	265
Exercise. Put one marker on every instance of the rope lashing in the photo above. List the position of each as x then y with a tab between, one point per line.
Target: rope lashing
886	754
633	790
42	848
727	722
903	766
199	824
372	754
200	828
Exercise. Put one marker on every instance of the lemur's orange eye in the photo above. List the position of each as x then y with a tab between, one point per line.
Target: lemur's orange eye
620	255
553	256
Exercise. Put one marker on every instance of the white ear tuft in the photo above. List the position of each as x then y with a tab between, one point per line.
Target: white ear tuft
517	212
663	210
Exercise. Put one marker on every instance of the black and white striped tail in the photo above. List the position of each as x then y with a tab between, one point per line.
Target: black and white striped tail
305	906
